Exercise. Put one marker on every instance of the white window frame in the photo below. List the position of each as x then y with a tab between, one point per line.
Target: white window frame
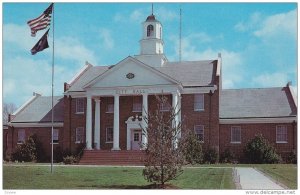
137	105
278	133
23	138
110	108
55	136
79	137
235	129
197	133
79	103
199	102
164	107
109	141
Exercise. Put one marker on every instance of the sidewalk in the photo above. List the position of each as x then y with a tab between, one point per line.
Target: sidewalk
251	179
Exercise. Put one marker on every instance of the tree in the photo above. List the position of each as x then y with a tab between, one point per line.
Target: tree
8	108
164	157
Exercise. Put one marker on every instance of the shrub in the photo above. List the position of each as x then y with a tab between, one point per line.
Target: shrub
292	158
210	156
192	149
25	152
227	156
69	159
258	150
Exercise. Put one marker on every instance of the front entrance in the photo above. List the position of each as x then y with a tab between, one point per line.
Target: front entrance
136	139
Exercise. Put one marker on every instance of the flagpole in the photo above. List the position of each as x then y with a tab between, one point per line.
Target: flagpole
52	113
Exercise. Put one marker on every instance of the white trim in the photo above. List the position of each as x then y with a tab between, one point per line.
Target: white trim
79	112
257	120
35	95
235	142
133	122
121	63
81	71
293	94
56	124
281	142
219	65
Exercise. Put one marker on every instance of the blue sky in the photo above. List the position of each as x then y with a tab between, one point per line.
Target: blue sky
258	41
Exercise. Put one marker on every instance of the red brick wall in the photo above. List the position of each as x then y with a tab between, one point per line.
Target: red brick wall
43	135
248	131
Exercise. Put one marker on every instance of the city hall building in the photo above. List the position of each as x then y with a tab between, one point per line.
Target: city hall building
103	107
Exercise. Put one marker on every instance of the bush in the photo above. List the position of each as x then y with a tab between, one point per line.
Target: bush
258	150
210	156
227	156
25	152
69	159
192	149
292	158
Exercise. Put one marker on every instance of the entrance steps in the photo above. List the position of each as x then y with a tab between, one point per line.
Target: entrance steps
109	157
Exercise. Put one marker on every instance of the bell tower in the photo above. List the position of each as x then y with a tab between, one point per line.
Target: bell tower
151	44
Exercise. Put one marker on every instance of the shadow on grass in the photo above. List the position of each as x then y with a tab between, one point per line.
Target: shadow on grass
151	186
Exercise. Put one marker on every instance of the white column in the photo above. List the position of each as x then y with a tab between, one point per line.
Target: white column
89	123
116	123
144	114
175	105
97	124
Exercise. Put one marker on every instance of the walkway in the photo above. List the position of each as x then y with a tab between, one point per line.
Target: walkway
251	179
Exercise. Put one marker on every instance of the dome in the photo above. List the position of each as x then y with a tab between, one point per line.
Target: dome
151	18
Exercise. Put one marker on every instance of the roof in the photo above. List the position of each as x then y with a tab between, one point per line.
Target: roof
39	110
90	74
254	103
188	73
191	73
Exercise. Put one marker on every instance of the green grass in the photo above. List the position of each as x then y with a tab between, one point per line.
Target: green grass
68	177
284	173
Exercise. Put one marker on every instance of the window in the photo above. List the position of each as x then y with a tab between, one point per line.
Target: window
137	104
236	134
21	136
109	105
55	136
199	132
109	134
150	29
164	105
198	102
110	108
80	105
281	134
79	135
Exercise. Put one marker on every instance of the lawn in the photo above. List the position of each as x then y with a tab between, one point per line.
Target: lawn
70	177
284	173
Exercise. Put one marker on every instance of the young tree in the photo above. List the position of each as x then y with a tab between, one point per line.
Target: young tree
164	157
8	108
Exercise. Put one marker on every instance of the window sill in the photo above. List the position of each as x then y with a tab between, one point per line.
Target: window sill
199	110
281	142
109	112
19	143
54	143
235	142
109	142
79	112
136	111
78	142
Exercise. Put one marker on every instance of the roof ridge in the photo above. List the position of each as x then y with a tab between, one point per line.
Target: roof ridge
253	88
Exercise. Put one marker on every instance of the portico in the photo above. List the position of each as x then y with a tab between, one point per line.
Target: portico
134	122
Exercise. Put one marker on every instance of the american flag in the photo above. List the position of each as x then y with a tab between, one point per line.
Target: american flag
41	22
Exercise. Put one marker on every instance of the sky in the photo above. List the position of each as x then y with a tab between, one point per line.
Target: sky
257	41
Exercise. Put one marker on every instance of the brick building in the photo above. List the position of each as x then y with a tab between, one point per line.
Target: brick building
102	106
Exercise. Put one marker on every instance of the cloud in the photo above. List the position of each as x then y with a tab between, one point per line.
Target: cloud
283	23
232	63
66	48
166	15
254	20
106	38
276	79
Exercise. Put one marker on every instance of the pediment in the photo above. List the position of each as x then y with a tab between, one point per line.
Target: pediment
131	72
